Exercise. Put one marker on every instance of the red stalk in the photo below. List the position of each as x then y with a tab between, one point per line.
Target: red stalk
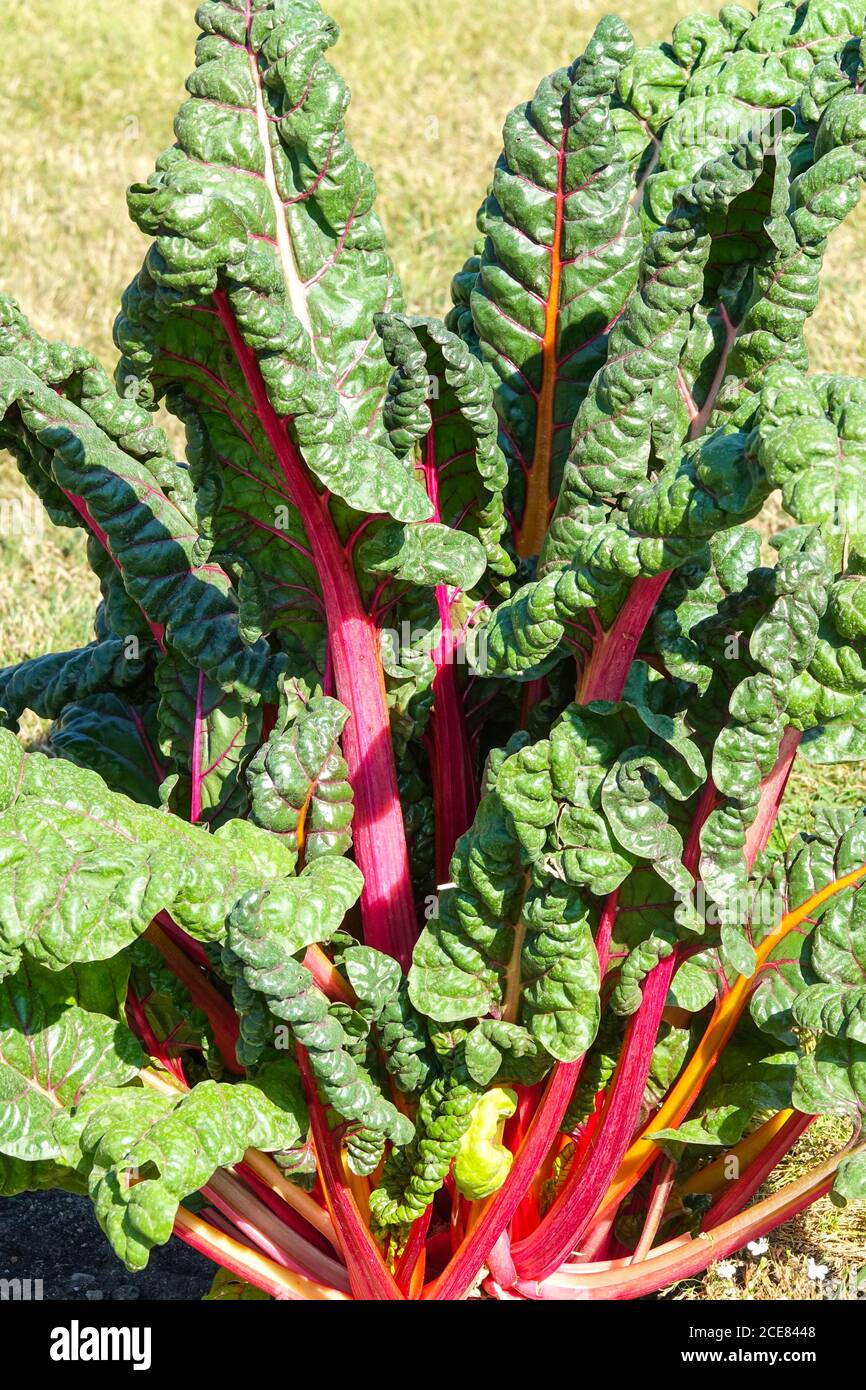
369	1276
387	902
475	1247
605	673
141	1026
408	1273
455	791
772	792
183	941
327	977
560	1232
684	1260
740	1192
221	1016
700	419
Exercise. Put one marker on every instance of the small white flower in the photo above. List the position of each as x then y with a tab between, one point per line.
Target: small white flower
726	1269
758	1247
817	1272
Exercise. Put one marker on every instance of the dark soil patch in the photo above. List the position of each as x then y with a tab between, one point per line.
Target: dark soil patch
53	1236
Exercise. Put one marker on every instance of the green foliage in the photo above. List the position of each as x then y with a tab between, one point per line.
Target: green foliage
486	586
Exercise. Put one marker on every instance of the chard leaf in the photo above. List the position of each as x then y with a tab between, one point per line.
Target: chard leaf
496	1050
53	1051
209	736
440	398
175	1145
48	683
374	977
297	912
694	595
782	644
559	971
849	1184
832	1079
633	500
254	313
116	738
299	782
811	445
837	846
837	956
84	870
425	553
559	260
264	934
146	531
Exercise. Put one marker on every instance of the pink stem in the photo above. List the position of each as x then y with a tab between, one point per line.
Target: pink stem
455	791
474	1250
387	901
773	790
604	675
540	1254
369	1276
187	944
413	1252
281	1209
273	1237
663	1182
140	1025
197	778
500	1263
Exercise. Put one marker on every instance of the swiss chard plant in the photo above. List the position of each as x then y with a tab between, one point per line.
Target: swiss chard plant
398	902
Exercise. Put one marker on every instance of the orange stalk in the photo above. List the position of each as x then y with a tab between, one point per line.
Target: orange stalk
264	1168
250	1264
712	1179
536	512
722	1024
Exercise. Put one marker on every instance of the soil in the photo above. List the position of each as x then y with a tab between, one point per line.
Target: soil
53	1236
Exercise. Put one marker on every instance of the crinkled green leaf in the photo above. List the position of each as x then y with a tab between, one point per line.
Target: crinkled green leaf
299	782
440	398
84	870
53	1050
837	957
263	937
116	738
560	257
207	736
48	683
173	1145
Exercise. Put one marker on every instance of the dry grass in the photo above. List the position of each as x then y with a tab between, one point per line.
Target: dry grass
87	93
830	1237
